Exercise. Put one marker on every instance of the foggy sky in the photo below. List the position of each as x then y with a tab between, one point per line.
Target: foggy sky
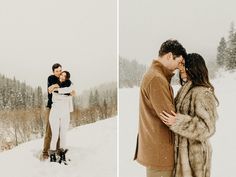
197	24
79	34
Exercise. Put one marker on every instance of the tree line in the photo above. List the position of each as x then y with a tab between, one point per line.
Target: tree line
95	104
130	73
23	110
226	51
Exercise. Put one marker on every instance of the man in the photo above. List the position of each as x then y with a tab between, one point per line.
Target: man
52	79
155	142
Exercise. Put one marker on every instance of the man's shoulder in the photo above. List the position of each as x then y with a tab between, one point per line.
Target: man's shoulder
52	80
52	77
151	76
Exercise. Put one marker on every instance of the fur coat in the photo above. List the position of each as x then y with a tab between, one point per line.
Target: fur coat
195	124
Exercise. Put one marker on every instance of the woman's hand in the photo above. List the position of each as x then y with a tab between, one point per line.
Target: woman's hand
168	119
73	93
182	71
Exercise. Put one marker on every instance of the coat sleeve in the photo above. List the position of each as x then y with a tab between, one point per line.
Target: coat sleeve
161	97
202	125
65	90
52	80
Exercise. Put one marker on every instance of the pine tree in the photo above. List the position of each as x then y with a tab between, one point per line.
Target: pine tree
91	106
39	97
91	99
105	108
231	32
226	51
231	54
221	52
96	99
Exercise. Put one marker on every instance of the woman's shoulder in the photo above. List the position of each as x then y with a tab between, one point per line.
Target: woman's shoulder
204	94
194	91
201	90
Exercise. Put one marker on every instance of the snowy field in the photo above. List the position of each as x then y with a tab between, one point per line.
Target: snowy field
92	150
223	142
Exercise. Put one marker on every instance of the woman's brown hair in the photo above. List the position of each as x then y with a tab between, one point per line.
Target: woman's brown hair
67	74
197	71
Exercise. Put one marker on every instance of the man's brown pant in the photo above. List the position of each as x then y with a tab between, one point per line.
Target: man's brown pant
48	136
157	173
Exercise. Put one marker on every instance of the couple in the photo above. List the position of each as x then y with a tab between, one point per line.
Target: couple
173	138
60	92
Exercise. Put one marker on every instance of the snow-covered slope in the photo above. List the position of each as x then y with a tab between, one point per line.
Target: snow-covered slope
92	150
223	142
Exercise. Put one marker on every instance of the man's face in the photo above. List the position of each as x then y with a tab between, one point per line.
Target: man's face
174	61
57	71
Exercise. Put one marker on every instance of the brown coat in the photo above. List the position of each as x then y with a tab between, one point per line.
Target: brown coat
195	124
155	142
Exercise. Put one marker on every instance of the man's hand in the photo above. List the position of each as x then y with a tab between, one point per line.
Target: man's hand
168	119
52	88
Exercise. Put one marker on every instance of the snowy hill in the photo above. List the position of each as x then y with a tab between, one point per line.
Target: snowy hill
92	150
223	142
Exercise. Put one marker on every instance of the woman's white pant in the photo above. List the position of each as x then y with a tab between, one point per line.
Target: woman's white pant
59	119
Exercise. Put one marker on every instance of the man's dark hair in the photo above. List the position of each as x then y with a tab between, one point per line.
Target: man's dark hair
55	66
174	47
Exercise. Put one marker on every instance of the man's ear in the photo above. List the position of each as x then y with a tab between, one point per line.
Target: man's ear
169	55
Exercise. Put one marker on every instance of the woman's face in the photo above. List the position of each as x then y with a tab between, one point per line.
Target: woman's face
182	71
173	61
62	77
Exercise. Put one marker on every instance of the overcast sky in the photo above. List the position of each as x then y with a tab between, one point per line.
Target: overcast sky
197	24
79	34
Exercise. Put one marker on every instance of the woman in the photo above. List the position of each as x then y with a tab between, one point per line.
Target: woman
59	117
194	122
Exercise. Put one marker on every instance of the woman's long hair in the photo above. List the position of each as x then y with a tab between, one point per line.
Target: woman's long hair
67	82
197	71
67	74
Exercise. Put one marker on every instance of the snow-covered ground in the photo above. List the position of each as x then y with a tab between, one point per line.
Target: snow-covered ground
223	142
92	150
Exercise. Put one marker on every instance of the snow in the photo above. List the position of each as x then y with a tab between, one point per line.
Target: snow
92	150
223	142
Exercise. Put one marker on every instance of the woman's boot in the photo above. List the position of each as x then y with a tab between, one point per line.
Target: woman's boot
62	154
